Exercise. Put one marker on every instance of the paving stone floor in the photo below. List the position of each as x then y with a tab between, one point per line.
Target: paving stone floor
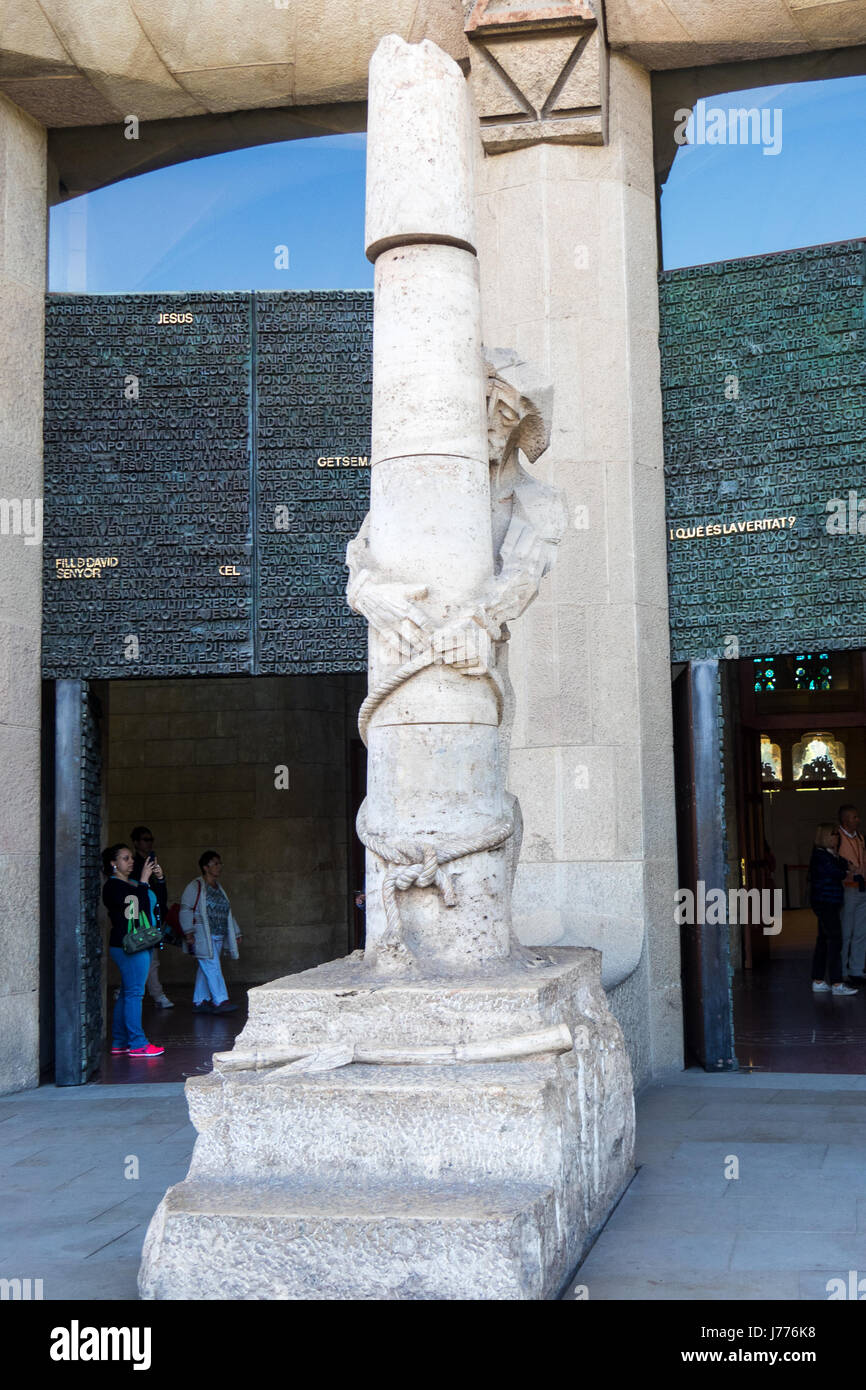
794	1218
68	1215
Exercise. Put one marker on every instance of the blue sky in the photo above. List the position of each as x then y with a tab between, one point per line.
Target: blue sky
722	201
214	224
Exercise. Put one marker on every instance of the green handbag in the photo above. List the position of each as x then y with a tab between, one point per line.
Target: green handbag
141	934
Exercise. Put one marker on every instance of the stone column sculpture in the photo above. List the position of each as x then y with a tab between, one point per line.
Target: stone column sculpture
446	555
444	1115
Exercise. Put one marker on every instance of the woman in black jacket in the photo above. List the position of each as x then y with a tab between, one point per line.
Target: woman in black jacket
126	1030
827	870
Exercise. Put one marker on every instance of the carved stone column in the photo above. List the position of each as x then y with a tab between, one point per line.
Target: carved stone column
425	556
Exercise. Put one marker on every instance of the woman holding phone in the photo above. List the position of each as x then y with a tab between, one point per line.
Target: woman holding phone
119	892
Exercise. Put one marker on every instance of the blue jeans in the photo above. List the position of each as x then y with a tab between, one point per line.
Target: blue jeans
126	1027
854	932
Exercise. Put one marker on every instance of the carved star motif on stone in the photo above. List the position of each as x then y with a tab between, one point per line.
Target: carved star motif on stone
537	71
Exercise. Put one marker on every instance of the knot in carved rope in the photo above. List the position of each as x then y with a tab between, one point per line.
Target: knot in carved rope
413	863
420	865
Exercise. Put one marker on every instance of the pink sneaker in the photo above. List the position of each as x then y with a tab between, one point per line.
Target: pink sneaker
149	1051
119	1051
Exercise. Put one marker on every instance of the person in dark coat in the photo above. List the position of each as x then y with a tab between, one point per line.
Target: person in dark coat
142	843
126	1031
827	872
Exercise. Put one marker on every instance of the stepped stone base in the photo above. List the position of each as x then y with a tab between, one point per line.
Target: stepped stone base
377	1242
470	1181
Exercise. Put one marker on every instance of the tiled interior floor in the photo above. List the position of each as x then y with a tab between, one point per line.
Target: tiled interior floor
189	1039
781	1026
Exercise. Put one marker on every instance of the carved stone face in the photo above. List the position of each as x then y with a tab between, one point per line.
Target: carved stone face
513	422
519	406
503	419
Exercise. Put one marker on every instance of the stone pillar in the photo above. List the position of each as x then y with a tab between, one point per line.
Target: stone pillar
446	1117
22	287
433	762
567	247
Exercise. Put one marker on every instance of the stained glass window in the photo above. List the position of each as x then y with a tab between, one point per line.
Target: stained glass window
803	671
771	763
818	761
812	671
765	674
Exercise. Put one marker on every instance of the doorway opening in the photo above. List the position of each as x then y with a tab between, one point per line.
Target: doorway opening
800	741
769	749
267	771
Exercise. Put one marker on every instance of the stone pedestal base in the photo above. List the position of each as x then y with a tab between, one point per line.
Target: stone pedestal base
468	1181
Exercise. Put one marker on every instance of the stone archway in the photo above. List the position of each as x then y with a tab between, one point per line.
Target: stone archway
568	246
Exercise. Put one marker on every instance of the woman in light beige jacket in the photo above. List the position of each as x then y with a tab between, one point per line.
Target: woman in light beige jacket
208	924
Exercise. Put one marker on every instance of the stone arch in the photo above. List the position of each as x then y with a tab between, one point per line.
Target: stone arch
202	78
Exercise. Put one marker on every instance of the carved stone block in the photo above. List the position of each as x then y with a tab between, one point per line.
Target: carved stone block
538	72
484	1181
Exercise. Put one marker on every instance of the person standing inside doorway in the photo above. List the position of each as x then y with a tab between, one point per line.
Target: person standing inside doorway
853	849
827	869
208	924
127	1033
142	843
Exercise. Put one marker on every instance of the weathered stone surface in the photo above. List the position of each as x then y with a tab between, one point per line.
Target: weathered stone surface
680	33
19	1029
345	1001
19	929
22	274
488	1120
546	66
589	904
327	1242
181	53
426	386
418	117
402	1178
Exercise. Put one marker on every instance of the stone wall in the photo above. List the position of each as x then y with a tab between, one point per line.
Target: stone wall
22	285
195	760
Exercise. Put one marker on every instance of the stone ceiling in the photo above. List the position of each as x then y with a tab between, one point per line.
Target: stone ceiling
92	62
